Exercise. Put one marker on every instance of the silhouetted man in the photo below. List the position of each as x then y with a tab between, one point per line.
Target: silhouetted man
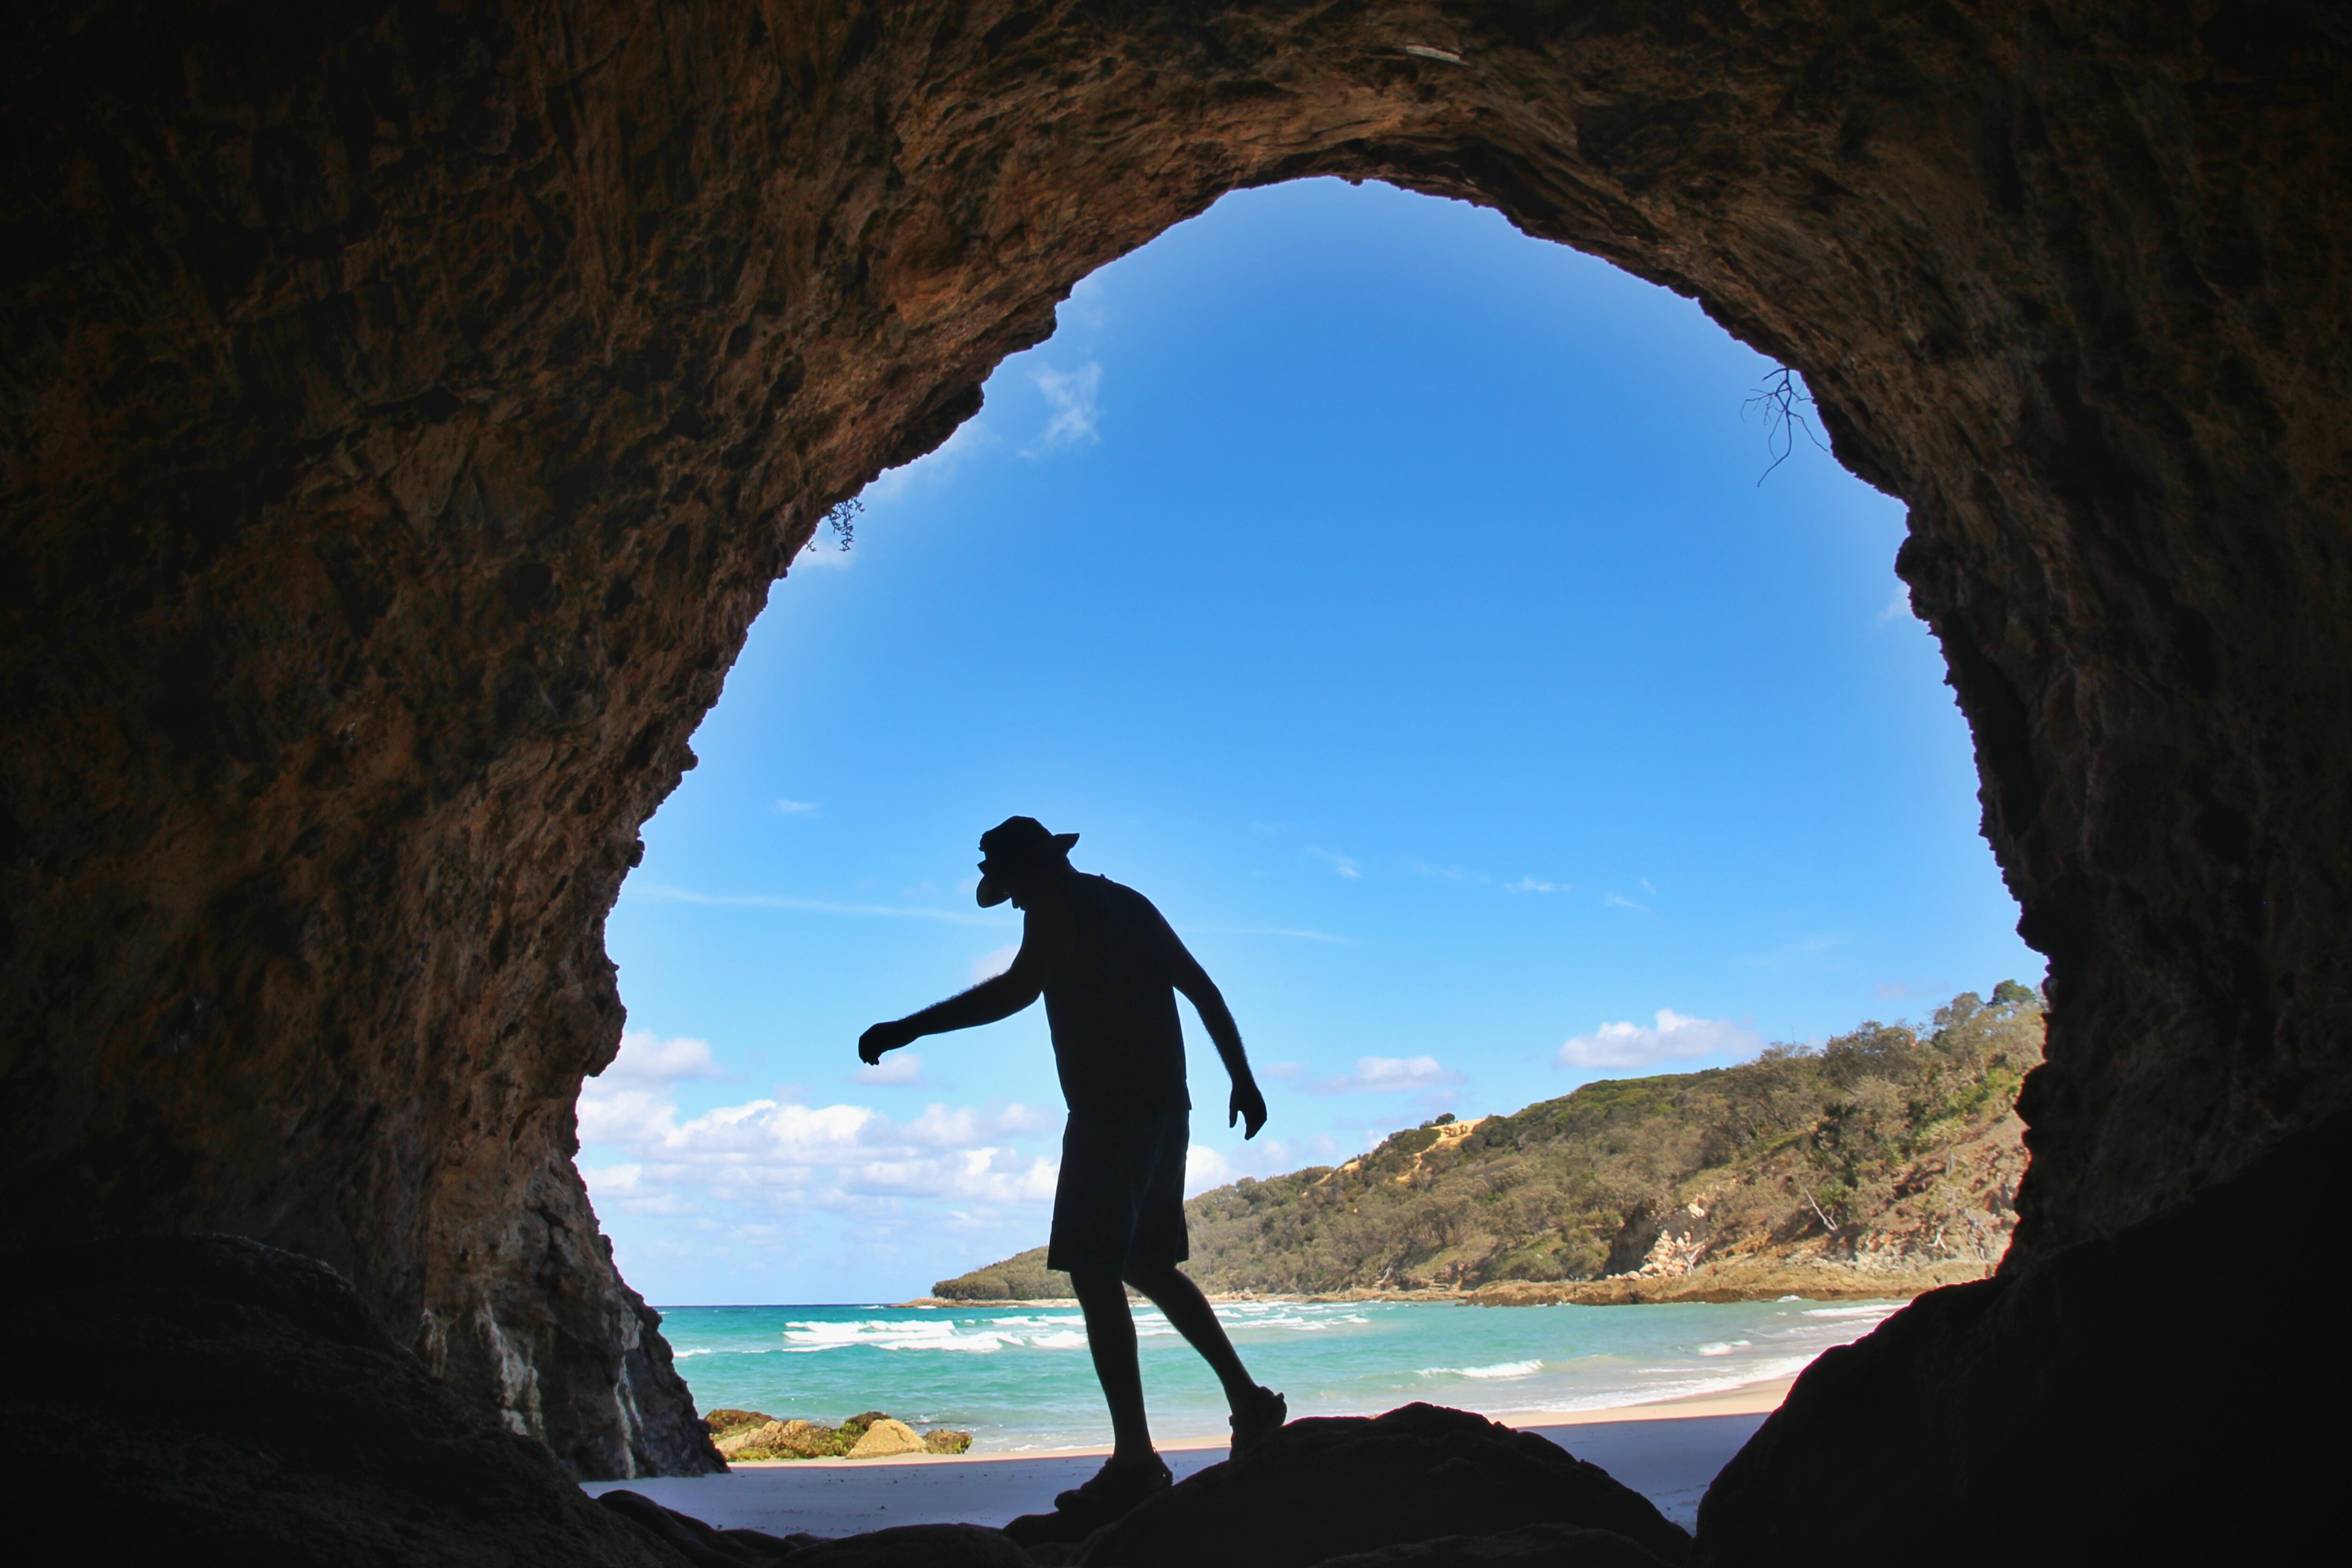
1109	968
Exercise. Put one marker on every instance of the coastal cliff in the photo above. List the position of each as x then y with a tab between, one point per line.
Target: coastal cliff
1884	1164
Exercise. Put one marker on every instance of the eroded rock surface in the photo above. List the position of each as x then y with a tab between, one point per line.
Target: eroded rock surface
2168	1394
212	1400
408	407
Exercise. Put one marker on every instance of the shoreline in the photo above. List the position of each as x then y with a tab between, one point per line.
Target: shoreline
1749	1399
1700	1286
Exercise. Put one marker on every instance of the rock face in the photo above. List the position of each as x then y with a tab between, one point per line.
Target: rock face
2109	1402
408	407
1537	1546
230	1402
1329	1487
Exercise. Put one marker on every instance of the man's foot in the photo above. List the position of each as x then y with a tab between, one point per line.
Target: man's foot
1258	1417
1118	1488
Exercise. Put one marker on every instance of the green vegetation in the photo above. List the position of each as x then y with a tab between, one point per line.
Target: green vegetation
1888	1150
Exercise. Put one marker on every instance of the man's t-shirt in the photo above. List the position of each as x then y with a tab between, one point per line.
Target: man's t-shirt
1104	961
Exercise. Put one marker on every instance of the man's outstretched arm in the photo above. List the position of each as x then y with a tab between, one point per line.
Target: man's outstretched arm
1248	1104
1000	997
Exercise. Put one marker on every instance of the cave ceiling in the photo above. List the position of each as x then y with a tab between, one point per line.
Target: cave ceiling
408	407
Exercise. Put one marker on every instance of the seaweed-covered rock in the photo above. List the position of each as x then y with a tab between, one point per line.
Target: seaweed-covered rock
1327	1487
719	1423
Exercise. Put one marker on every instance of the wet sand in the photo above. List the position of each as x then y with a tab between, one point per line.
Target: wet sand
1667	1451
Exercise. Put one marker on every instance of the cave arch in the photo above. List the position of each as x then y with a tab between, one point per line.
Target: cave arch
409	409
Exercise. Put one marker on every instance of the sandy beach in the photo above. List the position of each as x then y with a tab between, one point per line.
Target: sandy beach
1668	1451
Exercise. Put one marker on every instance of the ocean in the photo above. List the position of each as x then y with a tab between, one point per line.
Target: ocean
1019	1378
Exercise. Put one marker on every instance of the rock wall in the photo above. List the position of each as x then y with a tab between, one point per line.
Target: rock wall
408	405
2064	1412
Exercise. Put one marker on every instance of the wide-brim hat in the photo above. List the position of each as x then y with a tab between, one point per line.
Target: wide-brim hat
1015	842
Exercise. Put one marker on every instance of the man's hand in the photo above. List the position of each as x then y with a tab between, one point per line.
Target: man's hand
889	1036
1248	1107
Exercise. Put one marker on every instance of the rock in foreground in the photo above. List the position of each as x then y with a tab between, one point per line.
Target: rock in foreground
2171	1394
1329	1487
213	1400
1537	1546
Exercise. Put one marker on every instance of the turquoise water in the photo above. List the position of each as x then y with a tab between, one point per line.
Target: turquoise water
1020	1378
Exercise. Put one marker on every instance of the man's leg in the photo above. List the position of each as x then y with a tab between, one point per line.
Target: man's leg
1110	1337
1172	1292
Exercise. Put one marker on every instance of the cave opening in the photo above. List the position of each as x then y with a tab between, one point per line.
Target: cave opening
410	407
1461	659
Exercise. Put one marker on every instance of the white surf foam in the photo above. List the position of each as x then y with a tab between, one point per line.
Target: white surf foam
1500	1369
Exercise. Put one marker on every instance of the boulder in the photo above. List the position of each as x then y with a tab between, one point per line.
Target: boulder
2160	1395
1327	1487
796	1439
1537	1546
919	1546
767	1434
885	1437
703	1545
208	1399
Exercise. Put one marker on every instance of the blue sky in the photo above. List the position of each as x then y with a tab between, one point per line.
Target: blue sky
1389	597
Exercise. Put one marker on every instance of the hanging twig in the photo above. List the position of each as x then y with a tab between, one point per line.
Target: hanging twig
1781	395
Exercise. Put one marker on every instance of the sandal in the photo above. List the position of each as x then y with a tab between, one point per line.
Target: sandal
1259	1420
1118	1488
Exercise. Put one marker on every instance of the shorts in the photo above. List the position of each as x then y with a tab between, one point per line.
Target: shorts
1120	1201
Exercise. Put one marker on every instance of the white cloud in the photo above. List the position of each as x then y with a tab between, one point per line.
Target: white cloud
934	467
1673	1038
1529	885
1084	307
1620	902
646	1058
796	807
769	1151
824	554
1073	394
1204	1168
901	1066
1299	932
1898	608
994	962
624	1187
1389	1075
628	1117
1342	864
